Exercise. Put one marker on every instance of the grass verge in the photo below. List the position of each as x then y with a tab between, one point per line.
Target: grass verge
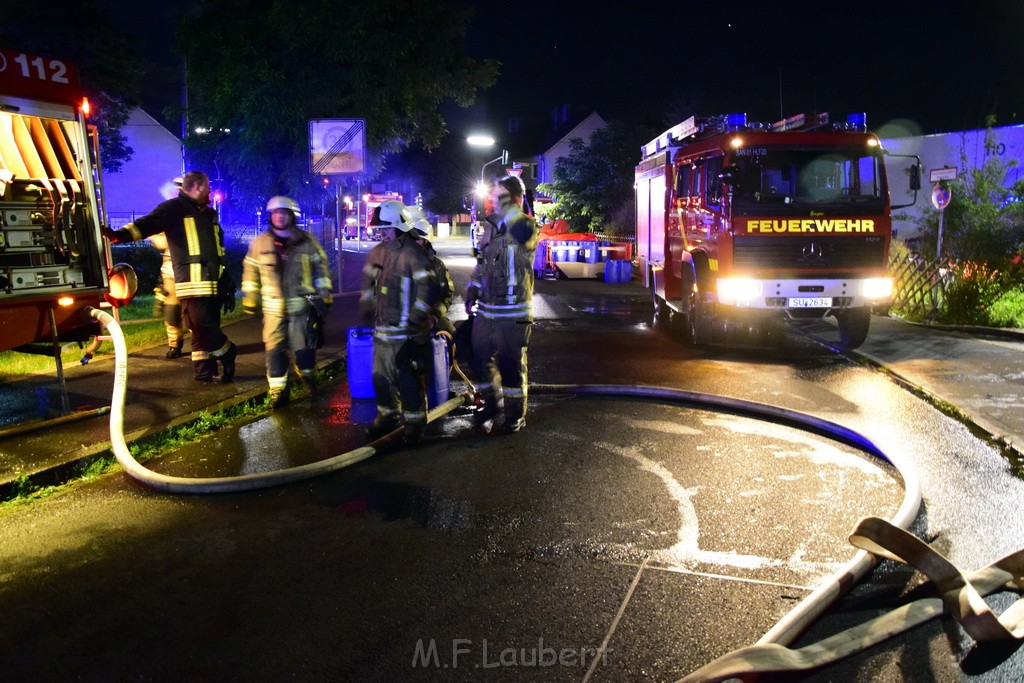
141	330
27	489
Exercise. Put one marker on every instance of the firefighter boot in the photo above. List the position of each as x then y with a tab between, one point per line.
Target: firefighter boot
515	415
414	433
228	361
278	397
383	424
173	352
486	412
308	379
205	370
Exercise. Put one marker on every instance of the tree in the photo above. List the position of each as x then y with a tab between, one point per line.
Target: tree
259	70
985	219
593	187
84	34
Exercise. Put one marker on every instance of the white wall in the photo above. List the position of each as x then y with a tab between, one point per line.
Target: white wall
146	180
547	160
946	149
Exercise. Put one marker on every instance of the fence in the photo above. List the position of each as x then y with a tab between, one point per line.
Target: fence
920	286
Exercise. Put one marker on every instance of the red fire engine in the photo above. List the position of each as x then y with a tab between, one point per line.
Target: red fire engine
738	219
371	202
53	261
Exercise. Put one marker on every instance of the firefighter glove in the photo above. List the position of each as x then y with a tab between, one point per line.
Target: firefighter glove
226	291
110	235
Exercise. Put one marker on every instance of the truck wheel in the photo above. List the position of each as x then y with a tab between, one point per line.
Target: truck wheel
701	323
853	326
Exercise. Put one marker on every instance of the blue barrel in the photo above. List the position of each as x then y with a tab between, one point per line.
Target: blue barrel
363	411
359	363
625	271
589	253
573	250
560	251
611	272
437	382
540	257
603	254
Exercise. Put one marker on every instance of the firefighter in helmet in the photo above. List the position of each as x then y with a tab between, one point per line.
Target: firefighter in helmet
286	272
501	292
439	321
399	293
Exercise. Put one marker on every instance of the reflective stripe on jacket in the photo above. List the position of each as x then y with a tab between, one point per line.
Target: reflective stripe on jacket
281	284
502	282
399	289
194	240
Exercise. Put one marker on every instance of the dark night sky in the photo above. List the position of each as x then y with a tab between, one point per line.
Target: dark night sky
942	65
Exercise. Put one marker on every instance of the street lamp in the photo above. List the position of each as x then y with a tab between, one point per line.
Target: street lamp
481	140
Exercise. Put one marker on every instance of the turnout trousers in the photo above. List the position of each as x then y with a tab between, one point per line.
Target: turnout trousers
399	380
202	315
499	351
282	332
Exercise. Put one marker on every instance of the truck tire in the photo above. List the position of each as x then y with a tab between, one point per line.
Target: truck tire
853	326
701	323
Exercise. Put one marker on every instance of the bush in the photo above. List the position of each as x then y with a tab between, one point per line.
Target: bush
1008	310
990	294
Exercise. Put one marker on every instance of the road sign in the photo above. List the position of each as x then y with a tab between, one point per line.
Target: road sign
940	197
944	173
336	146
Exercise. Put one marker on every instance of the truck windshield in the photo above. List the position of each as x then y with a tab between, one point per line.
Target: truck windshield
798	178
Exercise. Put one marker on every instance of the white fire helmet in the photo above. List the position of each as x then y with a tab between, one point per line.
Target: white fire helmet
393	214
282	202
419	220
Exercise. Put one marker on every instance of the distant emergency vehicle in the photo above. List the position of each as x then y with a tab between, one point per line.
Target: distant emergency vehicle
738	219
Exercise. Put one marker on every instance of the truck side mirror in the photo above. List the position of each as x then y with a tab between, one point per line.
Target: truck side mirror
914	171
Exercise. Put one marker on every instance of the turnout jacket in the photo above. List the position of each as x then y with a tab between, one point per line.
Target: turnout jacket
502	282
194	240
281	277
399	290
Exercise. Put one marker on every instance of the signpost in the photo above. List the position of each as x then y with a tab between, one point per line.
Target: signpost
337	146
941	197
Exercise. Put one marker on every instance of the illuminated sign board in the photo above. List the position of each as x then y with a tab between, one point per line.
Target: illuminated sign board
337	146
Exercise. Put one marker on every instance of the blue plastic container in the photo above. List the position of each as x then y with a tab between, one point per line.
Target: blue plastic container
573	252
602	254
437	382
611	272
360	362
540	257
589	252
561	252
625	271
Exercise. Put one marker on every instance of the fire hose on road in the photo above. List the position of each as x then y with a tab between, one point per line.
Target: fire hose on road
246	482
875	538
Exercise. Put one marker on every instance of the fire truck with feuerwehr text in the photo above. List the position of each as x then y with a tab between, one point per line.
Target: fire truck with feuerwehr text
791	219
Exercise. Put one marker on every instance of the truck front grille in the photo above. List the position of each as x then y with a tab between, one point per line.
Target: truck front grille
801	252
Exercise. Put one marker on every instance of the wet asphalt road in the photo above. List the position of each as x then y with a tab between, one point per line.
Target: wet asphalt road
668	533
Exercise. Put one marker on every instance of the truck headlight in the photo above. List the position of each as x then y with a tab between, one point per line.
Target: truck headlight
877	288
738	291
